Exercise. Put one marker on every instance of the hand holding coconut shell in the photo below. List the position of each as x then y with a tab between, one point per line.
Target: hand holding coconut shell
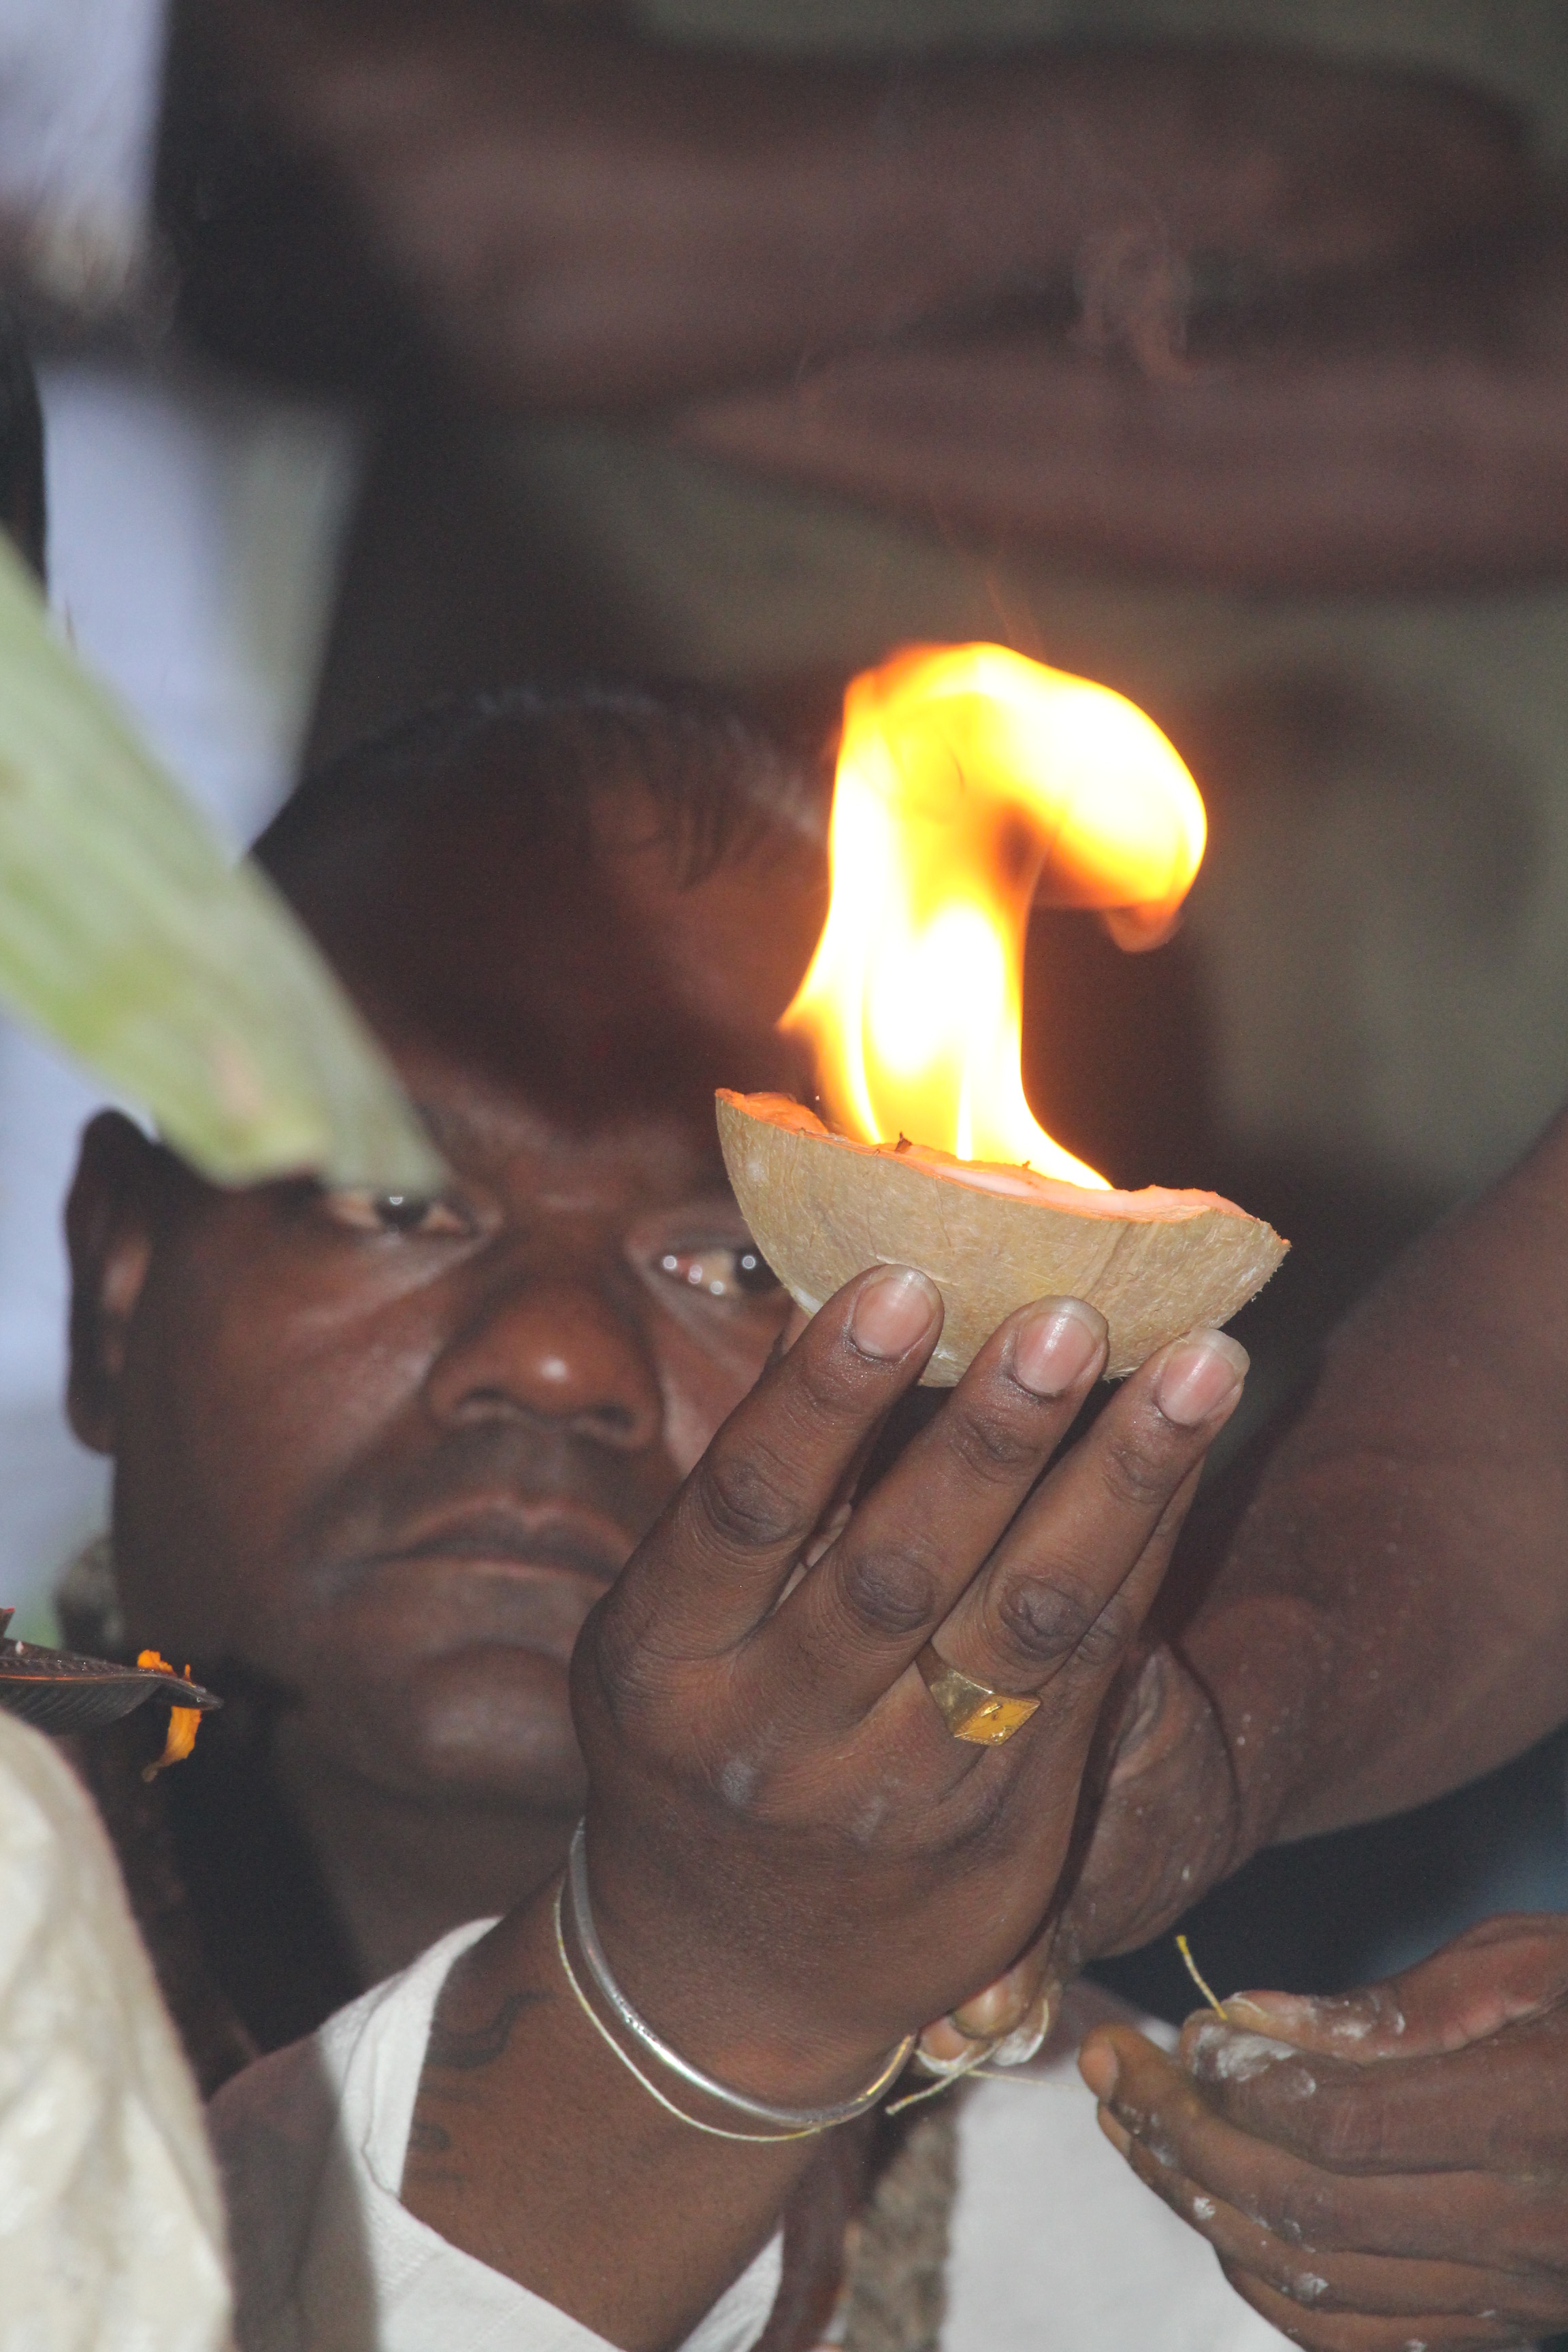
792	1860
972	785
867	1870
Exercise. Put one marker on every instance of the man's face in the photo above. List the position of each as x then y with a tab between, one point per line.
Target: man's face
381	1457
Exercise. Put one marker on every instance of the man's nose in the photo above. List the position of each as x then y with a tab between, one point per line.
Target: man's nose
555	1350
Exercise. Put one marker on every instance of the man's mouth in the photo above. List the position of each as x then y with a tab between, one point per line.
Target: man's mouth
570	1539
490	1574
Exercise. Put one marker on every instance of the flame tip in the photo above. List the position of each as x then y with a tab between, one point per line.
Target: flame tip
914	998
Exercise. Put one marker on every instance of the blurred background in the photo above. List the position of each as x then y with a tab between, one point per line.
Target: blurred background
1213	348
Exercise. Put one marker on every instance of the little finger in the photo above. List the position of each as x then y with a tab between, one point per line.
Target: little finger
1335	2331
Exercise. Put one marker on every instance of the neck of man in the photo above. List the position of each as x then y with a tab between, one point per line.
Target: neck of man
400	1872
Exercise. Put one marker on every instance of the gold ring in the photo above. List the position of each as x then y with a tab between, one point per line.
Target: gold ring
973	1710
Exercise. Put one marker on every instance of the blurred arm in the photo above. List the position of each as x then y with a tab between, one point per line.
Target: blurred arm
1409	435
1383	1613
576	217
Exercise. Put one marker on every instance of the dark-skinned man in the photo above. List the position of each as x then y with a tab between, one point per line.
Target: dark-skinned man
1294	1692
1491	381
378	1460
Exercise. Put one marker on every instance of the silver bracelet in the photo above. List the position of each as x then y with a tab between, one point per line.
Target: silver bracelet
789	2119
714	2131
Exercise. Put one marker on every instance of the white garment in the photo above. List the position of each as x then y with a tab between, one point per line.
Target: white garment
111	2236
1054	2241
79	90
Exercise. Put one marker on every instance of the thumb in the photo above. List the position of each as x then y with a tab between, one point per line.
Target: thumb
1006	2022
1493	1975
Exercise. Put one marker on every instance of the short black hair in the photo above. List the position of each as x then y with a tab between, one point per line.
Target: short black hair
717	780
22	509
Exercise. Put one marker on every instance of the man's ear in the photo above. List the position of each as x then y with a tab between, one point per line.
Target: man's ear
110	1216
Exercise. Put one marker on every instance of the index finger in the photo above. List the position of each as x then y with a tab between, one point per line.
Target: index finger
719	1557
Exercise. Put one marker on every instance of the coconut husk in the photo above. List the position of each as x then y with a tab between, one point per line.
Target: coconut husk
821	1208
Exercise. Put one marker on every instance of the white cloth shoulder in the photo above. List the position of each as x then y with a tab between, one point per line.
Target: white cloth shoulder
80	86
111	2226
312	2142
1050	2228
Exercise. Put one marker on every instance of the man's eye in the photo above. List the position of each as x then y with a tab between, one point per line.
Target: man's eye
727	1270
396	1213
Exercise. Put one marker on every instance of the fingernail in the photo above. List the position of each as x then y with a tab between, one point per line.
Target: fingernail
1217	2053
995	2011
945	2046
1017	2049
1200	1373
1056	1345
1098	2066
894	1312
1267	2008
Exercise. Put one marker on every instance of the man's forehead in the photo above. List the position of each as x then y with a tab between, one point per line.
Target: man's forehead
481	1124
579	975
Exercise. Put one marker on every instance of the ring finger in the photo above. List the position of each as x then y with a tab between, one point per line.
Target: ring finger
1072	1578
859	1618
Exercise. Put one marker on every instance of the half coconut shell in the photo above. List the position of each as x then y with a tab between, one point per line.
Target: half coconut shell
821	1208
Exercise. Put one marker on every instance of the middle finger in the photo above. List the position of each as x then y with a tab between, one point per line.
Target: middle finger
862	1614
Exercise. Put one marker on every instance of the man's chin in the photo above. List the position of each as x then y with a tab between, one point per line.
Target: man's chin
487	1726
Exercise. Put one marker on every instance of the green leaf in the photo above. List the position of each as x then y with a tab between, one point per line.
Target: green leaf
184	982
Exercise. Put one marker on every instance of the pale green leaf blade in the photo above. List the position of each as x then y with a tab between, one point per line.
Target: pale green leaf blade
185	984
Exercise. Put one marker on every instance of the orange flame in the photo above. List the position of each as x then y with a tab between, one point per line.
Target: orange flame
972	783
185	1722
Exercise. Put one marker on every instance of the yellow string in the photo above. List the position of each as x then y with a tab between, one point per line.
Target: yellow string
1200	1981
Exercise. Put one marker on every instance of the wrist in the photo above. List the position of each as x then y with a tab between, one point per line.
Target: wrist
713	1983
1171	1822
689	2089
